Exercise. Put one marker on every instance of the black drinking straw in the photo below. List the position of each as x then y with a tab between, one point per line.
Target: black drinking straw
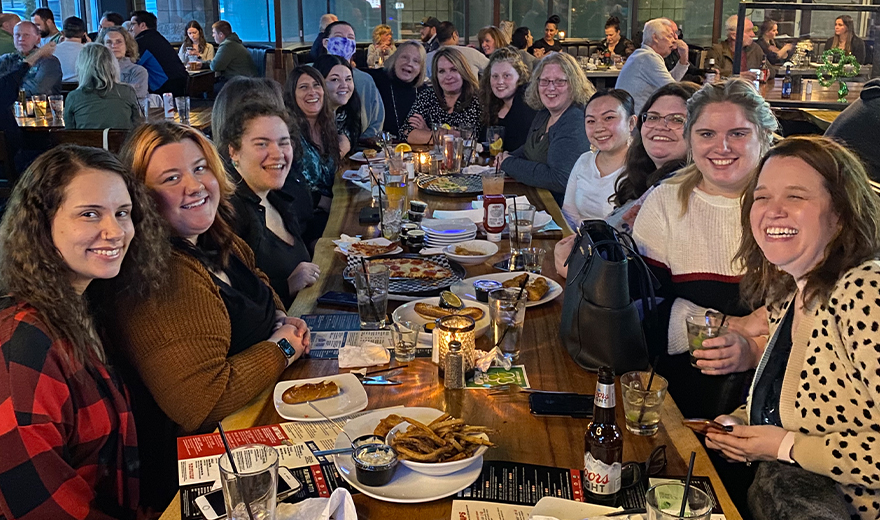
522	287
650	380
247	504
381	192
687	485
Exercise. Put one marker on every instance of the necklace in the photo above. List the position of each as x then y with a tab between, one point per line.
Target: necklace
394	103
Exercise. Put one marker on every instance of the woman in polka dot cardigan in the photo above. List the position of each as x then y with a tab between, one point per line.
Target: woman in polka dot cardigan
811	239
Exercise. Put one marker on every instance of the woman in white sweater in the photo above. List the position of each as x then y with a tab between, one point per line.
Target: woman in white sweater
609	120
811	241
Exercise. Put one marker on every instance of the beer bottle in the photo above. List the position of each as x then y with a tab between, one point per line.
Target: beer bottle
786	83
603	444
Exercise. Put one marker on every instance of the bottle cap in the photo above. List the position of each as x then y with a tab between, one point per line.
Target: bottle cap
454	346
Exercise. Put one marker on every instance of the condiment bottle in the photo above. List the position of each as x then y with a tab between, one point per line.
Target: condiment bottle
711	75
603	444
454	373
494	207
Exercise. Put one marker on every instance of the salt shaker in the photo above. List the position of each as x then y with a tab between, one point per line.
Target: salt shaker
454	373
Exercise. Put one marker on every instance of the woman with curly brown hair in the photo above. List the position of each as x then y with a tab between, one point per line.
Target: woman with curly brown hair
217	335
77	220
502	94
491	39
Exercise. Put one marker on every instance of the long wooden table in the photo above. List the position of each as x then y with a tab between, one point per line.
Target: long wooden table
522	437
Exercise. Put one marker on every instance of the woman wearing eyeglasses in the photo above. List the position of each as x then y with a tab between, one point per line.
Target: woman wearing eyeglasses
559	91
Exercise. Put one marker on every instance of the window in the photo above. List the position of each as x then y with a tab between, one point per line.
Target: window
405	16
363	15
586	18
253	21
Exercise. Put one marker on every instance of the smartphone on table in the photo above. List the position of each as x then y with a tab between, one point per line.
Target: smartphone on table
213	507
704	426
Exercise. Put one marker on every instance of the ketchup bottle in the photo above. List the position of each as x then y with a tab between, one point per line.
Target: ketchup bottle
494	209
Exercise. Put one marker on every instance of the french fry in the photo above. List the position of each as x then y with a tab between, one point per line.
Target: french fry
445	439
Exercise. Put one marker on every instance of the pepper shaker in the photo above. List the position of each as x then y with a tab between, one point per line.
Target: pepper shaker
454	374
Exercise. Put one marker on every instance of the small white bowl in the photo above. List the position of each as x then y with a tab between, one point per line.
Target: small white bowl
487	248
437	469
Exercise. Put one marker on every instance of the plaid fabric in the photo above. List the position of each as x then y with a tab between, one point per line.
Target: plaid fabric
68	447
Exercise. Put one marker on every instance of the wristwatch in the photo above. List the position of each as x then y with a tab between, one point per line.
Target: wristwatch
286	349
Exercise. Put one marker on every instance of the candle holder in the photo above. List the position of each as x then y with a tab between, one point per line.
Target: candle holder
457	328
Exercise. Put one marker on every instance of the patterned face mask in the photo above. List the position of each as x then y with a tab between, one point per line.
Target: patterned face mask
342	47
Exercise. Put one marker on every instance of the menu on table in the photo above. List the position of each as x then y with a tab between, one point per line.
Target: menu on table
330	332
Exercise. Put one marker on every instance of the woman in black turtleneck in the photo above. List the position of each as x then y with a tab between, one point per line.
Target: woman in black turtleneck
398	80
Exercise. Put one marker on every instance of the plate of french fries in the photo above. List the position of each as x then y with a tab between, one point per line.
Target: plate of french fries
440	447
408	486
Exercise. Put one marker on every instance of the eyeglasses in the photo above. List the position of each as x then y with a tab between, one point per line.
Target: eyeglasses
673	121
634	472
558	83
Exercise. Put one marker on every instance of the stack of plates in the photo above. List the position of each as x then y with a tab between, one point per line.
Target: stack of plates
442	232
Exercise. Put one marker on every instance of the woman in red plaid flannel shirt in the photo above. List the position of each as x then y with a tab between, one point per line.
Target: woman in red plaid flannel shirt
76	219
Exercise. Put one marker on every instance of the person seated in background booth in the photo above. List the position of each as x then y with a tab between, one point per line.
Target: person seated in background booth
306	100
776	55
216	335
232	58
195	46
69	48
44	19
502	94
257	138
121	43
521	41
451	99
167	73
548	43
77	226
398	82
7	27
318	44
108	19
100	100
645	71
44	75
448	36
344	101
753	55
559	91
341	42
845	38
428	33
810	250
382	47
491	39
614	42
728	128
609	119
10	83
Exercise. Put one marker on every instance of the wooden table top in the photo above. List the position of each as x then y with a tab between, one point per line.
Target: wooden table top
521	437
821	97
199	117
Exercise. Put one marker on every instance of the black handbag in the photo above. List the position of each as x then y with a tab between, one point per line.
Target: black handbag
600	321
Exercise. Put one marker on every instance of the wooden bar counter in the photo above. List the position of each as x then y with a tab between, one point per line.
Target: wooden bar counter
521	437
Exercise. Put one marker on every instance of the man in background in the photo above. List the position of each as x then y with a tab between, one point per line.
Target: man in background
69	48
448	36
7	25
752	54
151	43
429	34
108	19
232	58
45	22
645	71
318	45
44	75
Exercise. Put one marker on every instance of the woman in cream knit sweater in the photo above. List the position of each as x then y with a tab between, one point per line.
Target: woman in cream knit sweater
810	247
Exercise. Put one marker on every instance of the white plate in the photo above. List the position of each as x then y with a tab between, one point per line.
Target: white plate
569	509
484	246
352	398
406	486
406	312
444	243
359	157
541	220
343	246
447	227
465	288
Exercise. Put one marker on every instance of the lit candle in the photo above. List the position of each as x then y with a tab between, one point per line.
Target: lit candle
456	328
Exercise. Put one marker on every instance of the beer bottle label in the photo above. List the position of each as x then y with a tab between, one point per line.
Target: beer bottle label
604	397
601	478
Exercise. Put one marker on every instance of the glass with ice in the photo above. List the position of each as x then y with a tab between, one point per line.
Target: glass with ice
372	295
255	482
642	404
663	502
702	327
507	310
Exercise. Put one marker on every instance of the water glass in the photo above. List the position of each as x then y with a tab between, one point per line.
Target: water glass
507	310
702	327
392	216
533	259
520	218
255	483
453	148
406	336
41	106
182	104
372	295
663	502
56	103
640	404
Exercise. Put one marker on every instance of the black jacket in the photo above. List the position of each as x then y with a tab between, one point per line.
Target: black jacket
151	40
853	125
397	96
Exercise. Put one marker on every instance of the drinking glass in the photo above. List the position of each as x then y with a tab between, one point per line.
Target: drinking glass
255	483
372	295
453	148
533	259
520	218
56	103
493	182
641	405
702	327
406	336
395	192
495	138
183	108
41	106
507	310
663	502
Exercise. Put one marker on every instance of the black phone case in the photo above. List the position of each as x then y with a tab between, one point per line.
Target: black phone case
561	405
338	298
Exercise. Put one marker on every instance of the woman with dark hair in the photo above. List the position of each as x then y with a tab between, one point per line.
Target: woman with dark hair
304	96
398	82
548	43
502	94
614	42
767	41
521	41
845	38
451	99
491	39
217	335
609	119
258	142
194	44
810	248
344	101
77	220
